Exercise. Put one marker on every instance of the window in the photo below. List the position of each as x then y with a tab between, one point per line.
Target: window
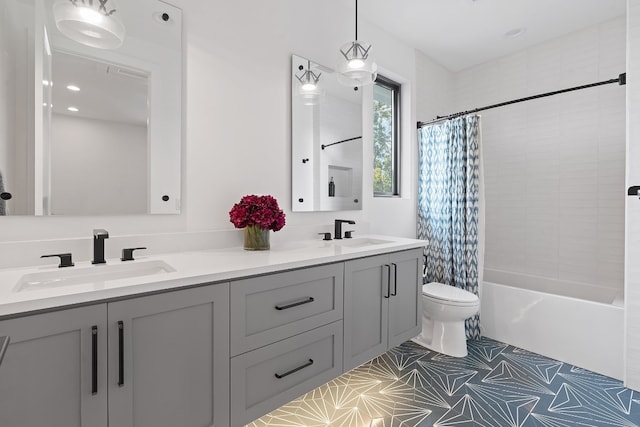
386	137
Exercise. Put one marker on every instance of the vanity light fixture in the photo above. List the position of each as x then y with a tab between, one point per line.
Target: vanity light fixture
90	22
73	88
309	87
356	67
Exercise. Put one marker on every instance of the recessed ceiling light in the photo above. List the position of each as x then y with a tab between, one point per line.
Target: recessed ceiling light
73	88
516	32
73	109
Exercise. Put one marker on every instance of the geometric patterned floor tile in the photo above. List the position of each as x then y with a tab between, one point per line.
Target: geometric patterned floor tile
496	385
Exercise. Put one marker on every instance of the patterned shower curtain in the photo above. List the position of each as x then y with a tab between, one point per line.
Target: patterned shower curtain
448	204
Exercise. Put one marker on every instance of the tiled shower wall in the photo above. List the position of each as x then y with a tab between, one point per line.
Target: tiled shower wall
555	167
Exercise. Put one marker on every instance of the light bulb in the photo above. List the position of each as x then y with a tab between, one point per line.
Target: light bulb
91	16
308	87
356	63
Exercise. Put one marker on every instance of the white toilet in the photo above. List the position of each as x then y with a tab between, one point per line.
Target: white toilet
444	310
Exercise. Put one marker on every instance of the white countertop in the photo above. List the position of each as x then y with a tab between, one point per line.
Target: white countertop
191	268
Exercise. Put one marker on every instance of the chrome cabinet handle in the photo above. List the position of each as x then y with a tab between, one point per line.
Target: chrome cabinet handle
94	360
295	304
120	353
395	280
306	365
4	344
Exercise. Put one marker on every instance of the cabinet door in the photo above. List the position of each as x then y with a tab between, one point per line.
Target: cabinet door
169	359
366	296
405	304
48	376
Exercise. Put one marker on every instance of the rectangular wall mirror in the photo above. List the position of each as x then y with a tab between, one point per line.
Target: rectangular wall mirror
90	107
326	135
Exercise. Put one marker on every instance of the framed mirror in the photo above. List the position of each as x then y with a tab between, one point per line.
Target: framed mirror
326	135
90	107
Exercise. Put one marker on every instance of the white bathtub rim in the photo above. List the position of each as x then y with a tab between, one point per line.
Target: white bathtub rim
616	296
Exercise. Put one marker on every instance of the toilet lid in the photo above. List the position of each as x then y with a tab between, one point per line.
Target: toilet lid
448	293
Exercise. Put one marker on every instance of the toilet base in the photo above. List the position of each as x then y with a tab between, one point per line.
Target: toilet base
444	337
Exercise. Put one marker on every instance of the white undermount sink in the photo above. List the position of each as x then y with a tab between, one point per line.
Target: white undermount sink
360	242
95	274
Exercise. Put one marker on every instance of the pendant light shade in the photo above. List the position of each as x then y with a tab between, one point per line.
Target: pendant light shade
90	22
356	66
309	85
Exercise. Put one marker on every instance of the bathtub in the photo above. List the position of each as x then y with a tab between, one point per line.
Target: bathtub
572	322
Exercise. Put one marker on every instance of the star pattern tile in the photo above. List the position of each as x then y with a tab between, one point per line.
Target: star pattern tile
496	385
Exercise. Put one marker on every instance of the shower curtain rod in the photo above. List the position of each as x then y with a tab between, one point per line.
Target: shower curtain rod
323	146
621	80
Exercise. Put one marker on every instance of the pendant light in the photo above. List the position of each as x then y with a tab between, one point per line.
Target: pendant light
91	22
356	67
308	85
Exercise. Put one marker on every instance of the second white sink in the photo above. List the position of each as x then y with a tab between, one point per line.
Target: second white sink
94	274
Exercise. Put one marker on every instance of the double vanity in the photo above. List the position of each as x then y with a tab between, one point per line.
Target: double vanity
208	338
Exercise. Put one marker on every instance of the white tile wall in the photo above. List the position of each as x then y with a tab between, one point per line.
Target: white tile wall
554	167
632	261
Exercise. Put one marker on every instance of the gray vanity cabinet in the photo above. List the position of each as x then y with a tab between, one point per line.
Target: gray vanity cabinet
168	365
48	377
381	304
169	359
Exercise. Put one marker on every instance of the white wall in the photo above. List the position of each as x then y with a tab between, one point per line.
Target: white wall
237	118
554	167
110	157
632	263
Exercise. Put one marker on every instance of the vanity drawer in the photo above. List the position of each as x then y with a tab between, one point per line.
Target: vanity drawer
265	379
271	308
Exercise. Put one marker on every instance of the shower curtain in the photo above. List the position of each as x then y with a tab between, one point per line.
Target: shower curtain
449	205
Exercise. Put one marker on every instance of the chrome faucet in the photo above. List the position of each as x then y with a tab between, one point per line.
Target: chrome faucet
338	227
99	235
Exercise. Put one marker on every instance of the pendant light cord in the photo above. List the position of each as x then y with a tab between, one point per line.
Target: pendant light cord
356	20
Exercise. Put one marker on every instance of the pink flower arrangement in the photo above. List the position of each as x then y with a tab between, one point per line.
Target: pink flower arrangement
260	211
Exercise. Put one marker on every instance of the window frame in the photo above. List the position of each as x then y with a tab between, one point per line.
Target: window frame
396	112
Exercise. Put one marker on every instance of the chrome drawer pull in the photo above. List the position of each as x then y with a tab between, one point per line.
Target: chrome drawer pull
293	371
295	304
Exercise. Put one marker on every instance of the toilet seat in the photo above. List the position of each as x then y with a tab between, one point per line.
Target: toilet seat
449	295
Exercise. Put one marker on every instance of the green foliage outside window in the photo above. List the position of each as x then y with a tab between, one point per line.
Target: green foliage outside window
382	147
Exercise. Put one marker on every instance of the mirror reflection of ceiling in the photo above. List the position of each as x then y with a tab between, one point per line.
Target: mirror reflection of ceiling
462	33
106	91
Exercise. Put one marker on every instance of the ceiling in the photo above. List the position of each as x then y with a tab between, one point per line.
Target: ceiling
462	33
